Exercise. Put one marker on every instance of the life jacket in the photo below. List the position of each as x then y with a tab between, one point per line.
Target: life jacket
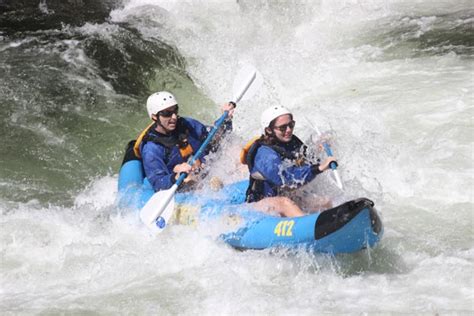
244	153
138	141
179	139
255	190
298	157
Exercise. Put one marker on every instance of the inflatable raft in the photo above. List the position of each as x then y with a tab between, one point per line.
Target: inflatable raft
347	228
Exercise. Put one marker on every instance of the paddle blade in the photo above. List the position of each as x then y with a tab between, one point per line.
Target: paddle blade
247	81
163	220
159	209
338	179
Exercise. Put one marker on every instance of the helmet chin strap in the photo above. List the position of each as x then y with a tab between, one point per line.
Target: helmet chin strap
157	120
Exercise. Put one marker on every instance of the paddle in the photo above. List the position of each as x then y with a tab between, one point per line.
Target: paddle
328	151
157	212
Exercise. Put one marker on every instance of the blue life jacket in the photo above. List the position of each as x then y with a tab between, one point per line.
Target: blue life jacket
268	175
161	153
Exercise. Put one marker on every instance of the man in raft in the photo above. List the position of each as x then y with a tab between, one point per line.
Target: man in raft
166	144
278	163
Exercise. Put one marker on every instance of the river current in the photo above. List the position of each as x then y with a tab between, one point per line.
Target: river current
390	82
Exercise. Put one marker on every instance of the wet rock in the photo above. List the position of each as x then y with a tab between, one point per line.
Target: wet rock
32	15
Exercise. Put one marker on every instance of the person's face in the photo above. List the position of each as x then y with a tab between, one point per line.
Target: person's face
283	128
168	118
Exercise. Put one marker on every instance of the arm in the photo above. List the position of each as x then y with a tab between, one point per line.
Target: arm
160	177
270	165
200	131
226	127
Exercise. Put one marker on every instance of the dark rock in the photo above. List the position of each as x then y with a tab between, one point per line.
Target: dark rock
33	15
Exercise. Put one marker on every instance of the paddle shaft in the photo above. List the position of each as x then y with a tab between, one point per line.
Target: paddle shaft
170	192
328	151
247	86
201	149
214	130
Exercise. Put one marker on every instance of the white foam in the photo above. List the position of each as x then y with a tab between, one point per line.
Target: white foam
402	131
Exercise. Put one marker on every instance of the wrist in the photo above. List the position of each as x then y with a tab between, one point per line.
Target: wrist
316	168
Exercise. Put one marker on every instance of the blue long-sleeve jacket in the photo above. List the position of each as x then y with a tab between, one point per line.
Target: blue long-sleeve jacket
159	161
277	173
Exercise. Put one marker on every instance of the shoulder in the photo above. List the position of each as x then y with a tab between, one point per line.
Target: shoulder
265	151
295	143
152	148
191	123
193	127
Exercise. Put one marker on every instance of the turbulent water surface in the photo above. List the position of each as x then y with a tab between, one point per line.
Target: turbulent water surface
391	80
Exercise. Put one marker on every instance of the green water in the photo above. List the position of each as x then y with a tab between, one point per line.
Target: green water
70	103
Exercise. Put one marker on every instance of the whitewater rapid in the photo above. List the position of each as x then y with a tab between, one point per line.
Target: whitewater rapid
390	82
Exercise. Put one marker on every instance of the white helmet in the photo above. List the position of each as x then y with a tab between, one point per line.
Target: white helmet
159	101
272	113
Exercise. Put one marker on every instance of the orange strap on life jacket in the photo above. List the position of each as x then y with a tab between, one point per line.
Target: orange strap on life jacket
185	152
244	152
136	147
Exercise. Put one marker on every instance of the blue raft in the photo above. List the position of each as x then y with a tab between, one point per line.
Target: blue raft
347	228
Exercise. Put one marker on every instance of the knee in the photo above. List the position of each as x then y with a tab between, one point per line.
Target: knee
286	202
325	203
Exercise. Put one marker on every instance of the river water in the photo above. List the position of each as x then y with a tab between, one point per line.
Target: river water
391	81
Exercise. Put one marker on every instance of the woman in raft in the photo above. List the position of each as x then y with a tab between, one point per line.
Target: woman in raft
278	164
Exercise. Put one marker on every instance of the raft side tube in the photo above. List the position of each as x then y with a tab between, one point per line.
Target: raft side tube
347	228
271	231
130	153
355	235
134	190
334	219
376	222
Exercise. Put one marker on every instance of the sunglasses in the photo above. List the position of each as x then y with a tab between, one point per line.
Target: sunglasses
282	128
169	113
